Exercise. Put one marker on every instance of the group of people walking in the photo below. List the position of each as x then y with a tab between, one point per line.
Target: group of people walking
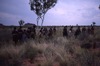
79	31
21	35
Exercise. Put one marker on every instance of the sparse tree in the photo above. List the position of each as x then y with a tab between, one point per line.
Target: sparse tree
40	7
93	23
21	22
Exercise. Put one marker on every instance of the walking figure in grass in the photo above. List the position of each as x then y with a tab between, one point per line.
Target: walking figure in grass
15	35
33	32
71	32
77	32
50	33
65	32
54	30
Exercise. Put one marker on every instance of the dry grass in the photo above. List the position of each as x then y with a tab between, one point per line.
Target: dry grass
67	52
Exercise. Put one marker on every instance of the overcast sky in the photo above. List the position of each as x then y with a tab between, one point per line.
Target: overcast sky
66	12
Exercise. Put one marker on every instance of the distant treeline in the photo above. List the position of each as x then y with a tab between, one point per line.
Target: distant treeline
4	27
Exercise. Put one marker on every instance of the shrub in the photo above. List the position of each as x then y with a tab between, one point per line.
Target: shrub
30	52
85	58
10	56
86	46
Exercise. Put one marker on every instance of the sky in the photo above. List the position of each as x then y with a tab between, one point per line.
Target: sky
65	12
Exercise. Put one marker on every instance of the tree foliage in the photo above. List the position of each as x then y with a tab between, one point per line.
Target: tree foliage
40	7
93	23
21	22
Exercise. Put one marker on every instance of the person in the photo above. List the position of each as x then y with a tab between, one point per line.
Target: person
15	35
65	32
24	36
41	32
50	33
33	32
20	34
54	30
71	29
77	32
70	32
28	32
45	31
92	30
84	29
83	33
88	30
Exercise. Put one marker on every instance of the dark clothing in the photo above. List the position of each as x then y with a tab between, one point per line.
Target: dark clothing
54	30
83	29
92	30
28	33
15	36
50	32
41	32
45	31
71	29
33	33
89	30
77	32
20	35
65	32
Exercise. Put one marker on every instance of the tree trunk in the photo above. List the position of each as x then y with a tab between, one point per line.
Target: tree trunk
42	20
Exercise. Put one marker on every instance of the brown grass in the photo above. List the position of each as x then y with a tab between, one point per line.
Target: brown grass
60	50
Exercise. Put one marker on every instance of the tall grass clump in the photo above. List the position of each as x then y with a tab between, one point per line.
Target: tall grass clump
15	55
64	51
10	56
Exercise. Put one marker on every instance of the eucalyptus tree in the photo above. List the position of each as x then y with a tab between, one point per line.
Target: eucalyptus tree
40	7
93	23
21	22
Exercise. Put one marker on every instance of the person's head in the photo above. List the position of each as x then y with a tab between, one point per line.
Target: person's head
54	27
50	28
65	27
14	28
71	26
34	26
78	27
83	26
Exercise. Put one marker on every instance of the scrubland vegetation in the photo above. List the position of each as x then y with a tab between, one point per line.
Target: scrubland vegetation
56	51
